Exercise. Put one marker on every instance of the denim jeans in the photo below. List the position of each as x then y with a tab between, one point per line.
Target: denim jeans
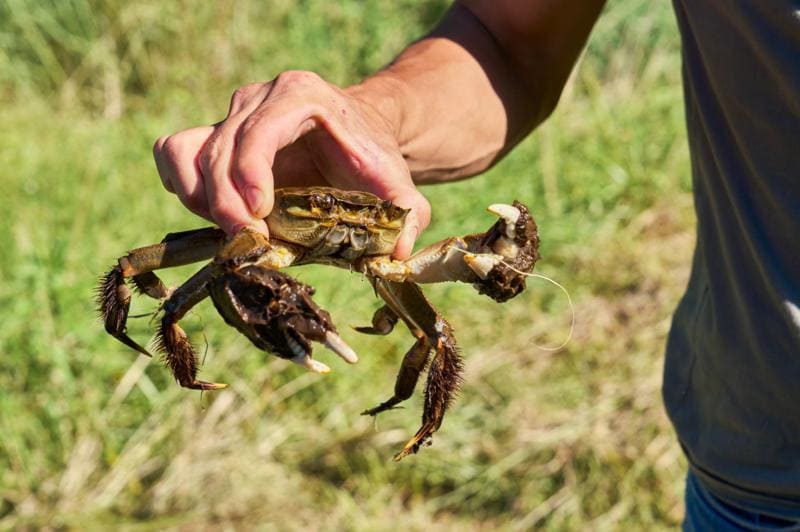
705	512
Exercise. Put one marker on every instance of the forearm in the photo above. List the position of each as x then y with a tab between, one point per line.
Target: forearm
464	95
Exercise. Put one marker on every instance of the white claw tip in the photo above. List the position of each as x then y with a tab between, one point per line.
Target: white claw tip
310	364
335	343
481	264
508	213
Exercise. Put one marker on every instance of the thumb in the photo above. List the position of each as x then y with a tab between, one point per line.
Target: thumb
416	221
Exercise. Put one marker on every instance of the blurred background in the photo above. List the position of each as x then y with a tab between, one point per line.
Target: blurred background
94	437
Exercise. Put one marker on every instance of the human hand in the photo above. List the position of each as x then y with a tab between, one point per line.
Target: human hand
297	130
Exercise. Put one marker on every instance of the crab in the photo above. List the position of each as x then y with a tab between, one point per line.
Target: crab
349	229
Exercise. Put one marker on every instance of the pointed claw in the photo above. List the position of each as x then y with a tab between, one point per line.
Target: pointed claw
482	264
206	386
335	343
508	213
127	340
422	437
310	364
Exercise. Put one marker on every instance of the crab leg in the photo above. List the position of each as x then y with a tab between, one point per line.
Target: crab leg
494	262
407	301
413	363
176	249
383	322
275	311
171	340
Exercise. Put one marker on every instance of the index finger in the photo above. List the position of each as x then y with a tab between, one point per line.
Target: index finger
272	127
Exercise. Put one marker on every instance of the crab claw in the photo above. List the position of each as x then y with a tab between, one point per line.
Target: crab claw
335	343
482	263
310	364
508	213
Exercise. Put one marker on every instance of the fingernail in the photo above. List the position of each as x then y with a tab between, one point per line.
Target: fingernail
254	198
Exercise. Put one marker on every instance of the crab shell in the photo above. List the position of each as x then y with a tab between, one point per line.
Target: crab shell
329	221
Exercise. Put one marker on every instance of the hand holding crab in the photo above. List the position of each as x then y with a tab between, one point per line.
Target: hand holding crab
353	230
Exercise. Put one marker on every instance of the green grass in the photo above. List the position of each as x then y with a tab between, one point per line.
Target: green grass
93	437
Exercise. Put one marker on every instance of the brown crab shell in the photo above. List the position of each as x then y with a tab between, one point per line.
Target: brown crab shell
307	215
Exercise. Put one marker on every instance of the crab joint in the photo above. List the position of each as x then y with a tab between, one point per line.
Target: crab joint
310	364
335	343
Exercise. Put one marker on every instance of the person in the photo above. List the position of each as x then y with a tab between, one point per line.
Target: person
453	103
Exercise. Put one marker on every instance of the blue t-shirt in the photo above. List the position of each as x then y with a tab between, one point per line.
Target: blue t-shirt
732	372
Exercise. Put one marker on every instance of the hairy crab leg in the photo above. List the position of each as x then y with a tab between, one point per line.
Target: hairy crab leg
444	377
114	296
172	341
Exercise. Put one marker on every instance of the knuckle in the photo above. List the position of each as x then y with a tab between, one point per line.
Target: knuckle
172	147
244	93
158	145
298	78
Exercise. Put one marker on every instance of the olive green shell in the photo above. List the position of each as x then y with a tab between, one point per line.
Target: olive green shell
309	215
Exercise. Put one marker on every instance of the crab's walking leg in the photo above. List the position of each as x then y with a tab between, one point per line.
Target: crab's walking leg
444	380
413	364
383	322
172	342
407	301
114	296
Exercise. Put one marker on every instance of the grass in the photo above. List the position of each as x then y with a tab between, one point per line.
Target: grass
94	438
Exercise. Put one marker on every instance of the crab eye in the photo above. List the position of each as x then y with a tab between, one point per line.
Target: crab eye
322	201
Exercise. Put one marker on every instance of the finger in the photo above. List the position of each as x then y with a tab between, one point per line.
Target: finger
225	202
165	176
176	161
272	127
417	220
